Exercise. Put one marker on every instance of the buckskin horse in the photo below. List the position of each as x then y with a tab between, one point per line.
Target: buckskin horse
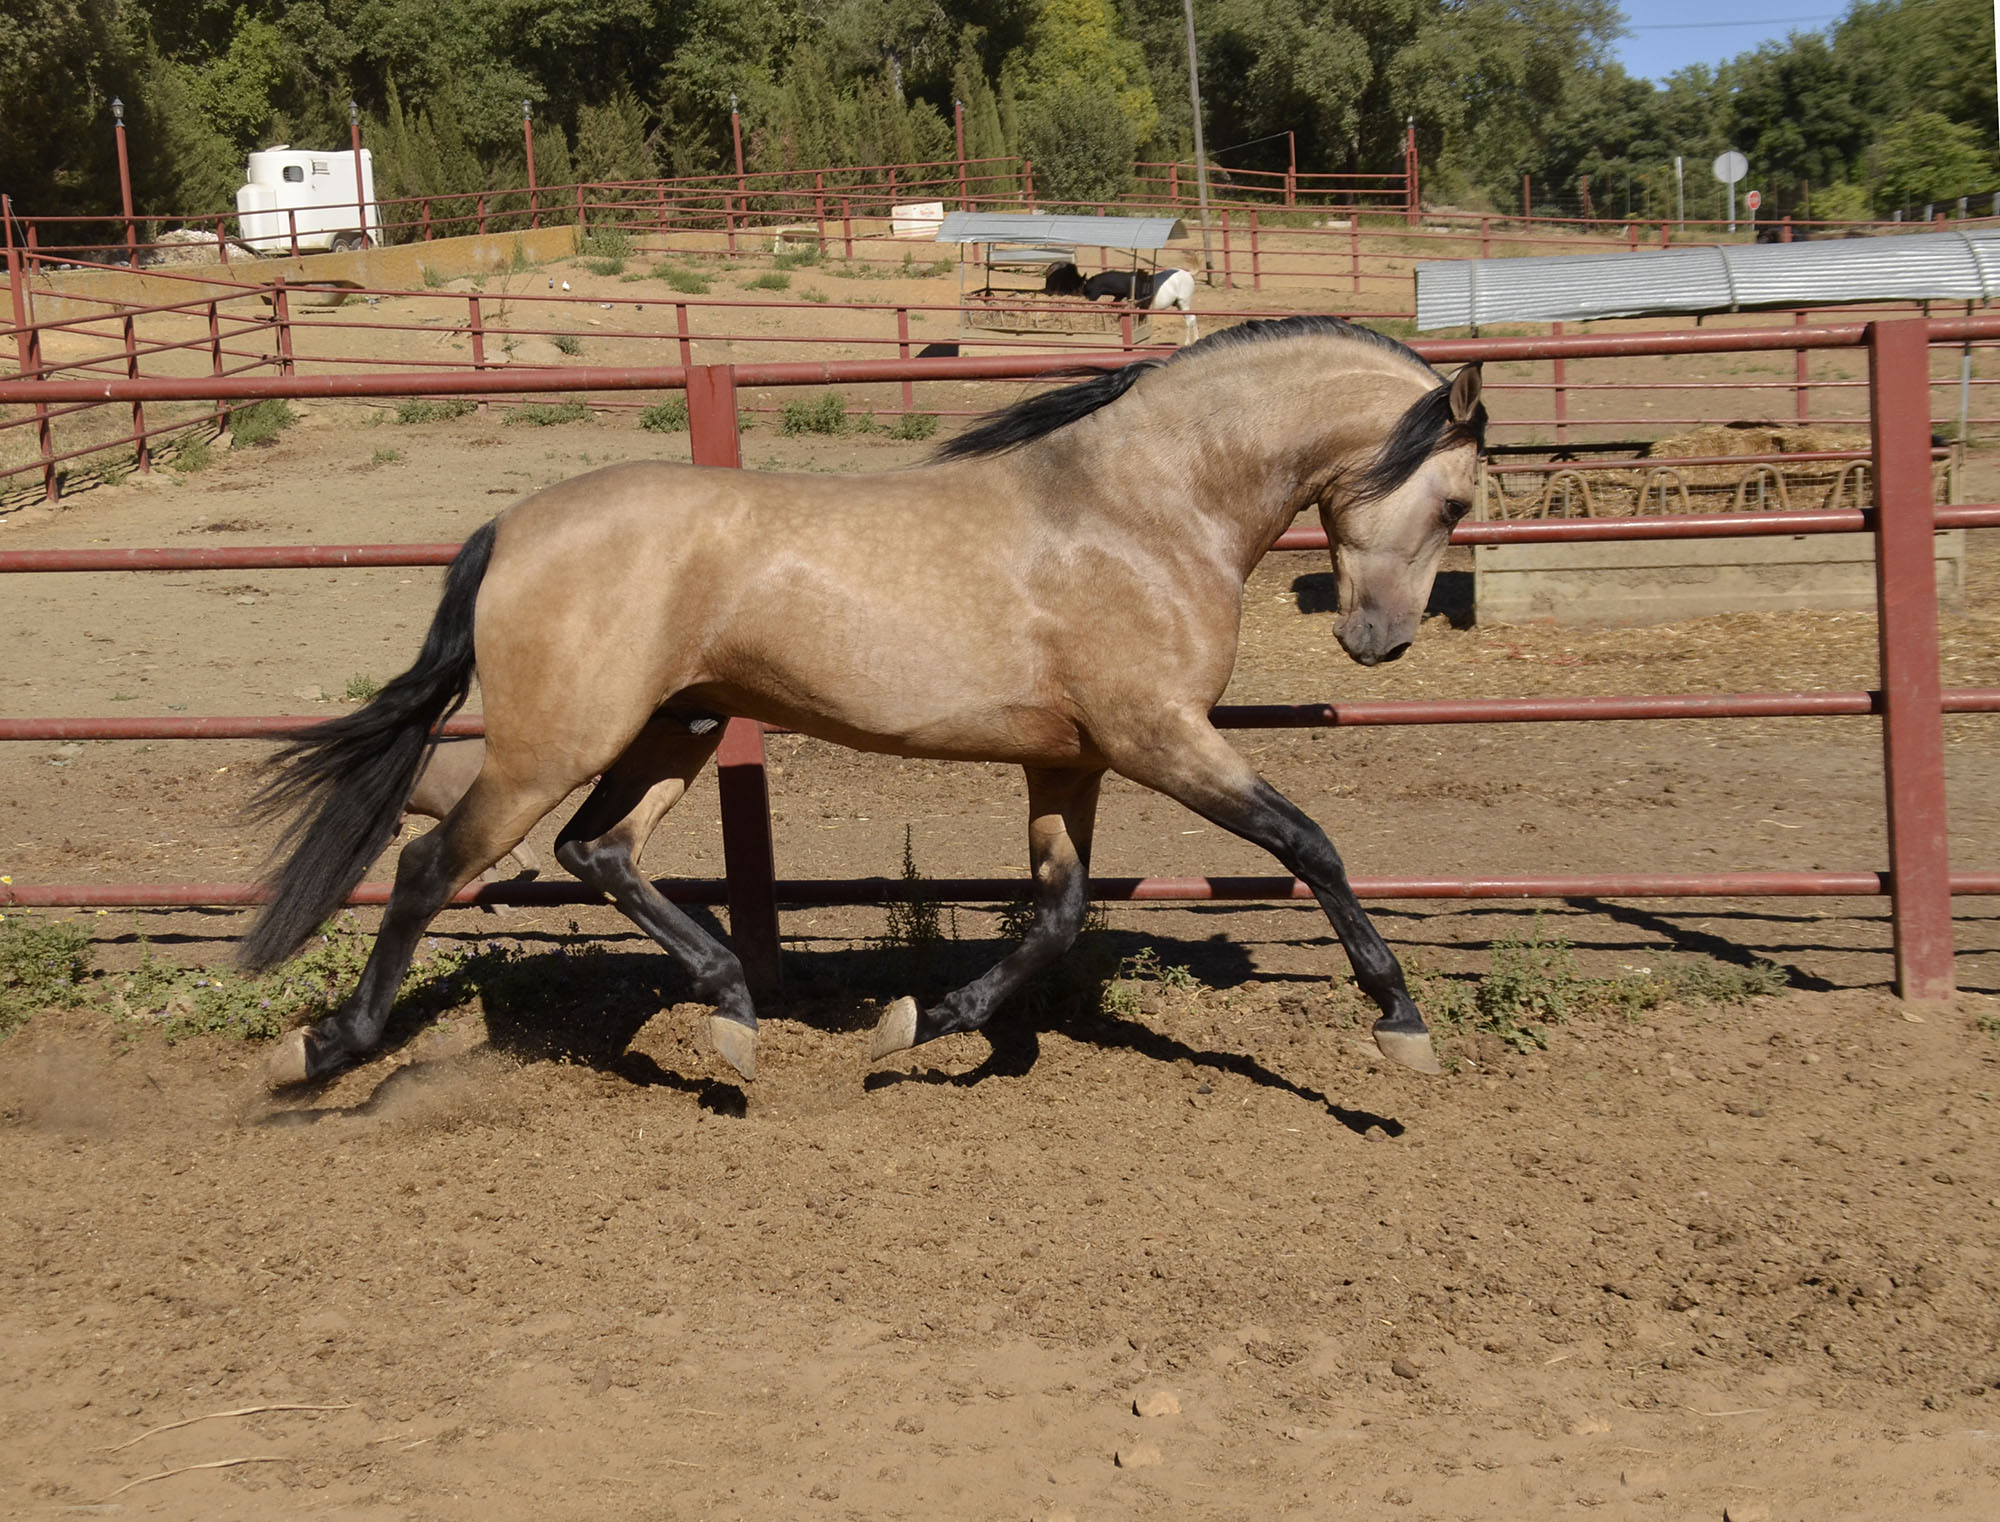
1059	586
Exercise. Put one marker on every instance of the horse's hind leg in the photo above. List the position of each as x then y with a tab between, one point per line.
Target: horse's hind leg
1062	812
486	824
1192	764
601	846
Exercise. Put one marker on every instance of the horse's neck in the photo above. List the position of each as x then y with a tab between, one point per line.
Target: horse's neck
1249	444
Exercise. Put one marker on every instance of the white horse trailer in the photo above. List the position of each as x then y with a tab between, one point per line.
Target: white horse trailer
310	195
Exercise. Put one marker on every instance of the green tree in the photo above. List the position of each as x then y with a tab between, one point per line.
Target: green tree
1925	156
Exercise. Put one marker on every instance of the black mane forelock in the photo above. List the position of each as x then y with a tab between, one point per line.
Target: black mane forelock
1425	429
1421	431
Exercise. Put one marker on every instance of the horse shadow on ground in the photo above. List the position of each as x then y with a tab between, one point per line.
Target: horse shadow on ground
582	1000
1451	595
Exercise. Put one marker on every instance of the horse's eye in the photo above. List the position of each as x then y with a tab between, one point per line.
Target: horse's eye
1454	509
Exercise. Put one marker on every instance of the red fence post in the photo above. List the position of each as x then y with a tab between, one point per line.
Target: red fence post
140	446
747	855
475	324
1228	277
215	357
1354	247
1801	396
281	316
1899	367
1561	390
903	352
1256	268
682	330
28	349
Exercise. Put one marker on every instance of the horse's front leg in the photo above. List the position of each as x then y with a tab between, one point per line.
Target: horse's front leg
1062	811
1186	759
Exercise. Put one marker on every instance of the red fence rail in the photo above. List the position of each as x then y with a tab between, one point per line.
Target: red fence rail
1911	700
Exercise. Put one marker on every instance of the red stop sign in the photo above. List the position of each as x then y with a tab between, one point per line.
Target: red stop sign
1754	200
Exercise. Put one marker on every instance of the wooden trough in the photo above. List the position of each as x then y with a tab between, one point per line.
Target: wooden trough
1738	467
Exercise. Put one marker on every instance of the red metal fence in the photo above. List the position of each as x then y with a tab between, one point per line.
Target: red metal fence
232	324
1910	701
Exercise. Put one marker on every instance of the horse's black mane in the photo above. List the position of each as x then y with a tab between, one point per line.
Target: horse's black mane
1419	433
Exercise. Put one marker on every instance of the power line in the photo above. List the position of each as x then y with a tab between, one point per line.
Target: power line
1709	26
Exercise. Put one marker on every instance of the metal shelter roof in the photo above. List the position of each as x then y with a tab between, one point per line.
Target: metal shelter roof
1032	228
1951	266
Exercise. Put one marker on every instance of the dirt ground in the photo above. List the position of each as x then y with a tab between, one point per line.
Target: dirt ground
540	1259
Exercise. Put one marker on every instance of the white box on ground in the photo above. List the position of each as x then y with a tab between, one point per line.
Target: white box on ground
916	219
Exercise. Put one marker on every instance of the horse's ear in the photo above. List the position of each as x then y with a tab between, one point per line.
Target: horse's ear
1465	393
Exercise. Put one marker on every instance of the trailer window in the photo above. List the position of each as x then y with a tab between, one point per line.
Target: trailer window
294	175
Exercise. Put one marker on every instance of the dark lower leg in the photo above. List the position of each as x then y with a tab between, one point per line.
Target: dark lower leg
1062	813
1190	762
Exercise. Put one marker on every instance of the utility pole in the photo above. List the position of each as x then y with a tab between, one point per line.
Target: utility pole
1201	153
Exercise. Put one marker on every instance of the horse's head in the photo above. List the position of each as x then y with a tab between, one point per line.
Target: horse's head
1388	523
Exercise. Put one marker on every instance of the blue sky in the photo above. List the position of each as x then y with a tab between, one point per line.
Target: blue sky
1669	34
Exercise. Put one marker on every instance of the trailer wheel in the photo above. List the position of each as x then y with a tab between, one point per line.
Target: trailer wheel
349	242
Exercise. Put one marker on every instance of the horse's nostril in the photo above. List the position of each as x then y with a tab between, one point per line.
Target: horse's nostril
1397	653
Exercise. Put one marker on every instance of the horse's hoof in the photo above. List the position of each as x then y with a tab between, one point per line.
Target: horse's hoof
288	1063
896	1031
1410	1049
736	1044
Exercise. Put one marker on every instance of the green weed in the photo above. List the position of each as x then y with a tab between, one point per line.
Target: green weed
914	427
826	413
1535	983
770	280
441	410
798	258
434	279
605	267
608	243
361	687
260	422
386	457
518	263
549	414
42	966
814	295
568	343
670	416
193	455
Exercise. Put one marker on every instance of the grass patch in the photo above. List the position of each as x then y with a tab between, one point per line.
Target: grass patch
687	282
361	687
442	410
549	414
42	966
386	457
814	294
568	343
434	280
798	258
1534	983
518	263
825	413
260	422
605	266
670	416
914	427
770	280
929	268
193	455
608	243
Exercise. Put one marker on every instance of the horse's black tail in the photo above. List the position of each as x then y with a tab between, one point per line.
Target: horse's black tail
349	778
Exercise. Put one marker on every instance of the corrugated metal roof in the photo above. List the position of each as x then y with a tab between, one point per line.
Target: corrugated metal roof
1952	266
1086	232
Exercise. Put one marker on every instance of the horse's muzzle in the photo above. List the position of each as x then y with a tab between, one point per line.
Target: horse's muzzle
1371	638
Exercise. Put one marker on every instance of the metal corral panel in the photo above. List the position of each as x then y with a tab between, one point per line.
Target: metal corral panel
1467	293
1087	232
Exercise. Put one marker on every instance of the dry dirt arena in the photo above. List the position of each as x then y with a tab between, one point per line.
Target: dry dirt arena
1194	1253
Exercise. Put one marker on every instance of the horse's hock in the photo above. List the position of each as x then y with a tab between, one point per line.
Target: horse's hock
1663	580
